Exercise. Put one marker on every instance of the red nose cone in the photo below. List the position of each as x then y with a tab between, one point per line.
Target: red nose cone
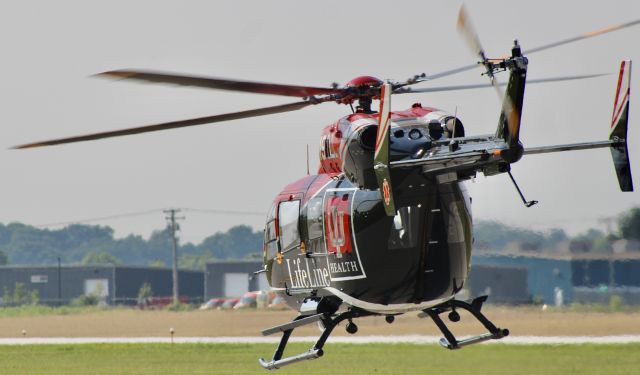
364	81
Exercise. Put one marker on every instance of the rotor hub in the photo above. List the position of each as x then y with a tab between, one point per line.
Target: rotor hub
367	81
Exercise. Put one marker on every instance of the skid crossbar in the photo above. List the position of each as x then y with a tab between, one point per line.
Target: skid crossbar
315	351
449	341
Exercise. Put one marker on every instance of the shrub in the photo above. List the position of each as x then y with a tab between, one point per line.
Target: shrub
20	296
616	303
86	300
144	294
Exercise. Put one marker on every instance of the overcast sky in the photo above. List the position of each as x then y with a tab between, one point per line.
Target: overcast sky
49	50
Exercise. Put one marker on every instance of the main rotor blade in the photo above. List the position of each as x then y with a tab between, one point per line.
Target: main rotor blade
487	85
465	27
173	124
508	109
583	36
543	47
220	83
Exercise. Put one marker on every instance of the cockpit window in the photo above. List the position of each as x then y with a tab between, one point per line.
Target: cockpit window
288	214
314	218
270	234
270	229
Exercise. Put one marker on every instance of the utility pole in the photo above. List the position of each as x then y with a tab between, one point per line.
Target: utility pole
171	218
59	282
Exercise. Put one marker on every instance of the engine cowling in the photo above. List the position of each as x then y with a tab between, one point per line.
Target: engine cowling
358	157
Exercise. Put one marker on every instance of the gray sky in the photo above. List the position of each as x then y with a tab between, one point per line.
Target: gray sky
51	48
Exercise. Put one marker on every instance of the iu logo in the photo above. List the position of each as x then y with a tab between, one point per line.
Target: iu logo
386	192
336	224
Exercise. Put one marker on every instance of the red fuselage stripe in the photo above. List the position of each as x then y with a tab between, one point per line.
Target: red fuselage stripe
616	116
615	102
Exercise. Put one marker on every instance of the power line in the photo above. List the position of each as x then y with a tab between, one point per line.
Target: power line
101	218
148	212
225	212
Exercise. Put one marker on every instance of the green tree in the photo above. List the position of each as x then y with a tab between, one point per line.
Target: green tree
91	244
99	257
602	245
493	235
157	264
587	241
237	243
194	262
629	224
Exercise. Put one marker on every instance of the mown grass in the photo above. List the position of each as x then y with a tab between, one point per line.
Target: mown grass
339	359
36	310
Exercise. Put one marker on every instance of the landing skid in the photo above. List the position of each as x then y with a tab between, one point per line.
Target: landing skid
449	341
315	351
329	320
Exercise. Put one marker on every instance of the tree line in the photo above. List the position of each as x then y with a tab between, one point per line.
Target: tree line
95	244
495	236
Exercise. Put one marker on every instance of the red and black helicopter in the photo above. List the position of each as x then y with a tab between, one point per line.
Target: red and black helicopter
385	226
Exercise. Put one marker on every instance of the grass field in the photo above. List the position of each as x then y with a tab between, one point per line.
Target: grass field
41	322
339	359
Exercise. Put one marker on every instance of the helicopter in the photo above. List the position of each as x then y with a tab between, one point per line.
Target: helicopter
385	226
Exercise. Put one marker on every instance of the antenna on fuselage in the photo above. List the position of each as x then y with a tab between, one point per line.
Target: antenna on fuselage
453	144
455	119
308	159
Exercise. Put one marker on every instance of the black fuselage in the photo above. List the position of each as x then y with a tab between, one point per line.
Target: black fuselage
341	243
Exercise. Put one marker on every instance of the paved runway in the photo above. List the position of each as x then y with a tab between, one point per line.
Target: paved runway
413	339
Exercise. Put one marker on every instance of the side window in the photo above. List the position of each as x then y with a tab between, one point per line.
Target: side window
314	218
270	234
288	214
404	231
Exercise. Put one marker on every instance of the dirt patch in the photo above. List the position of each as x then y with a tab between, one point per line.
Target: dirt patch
135	323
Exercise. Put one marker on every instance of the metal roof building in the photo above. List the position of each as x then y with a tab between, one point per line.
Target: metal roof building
233	278
584	278
113	284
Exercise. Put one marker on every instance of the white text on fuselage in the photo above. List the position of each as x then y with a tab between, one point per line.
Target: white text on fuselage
305	275
344	267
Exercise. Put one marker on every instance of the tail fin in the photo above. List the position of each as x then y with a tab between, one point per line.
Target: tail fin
619	122
381	155
509	122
